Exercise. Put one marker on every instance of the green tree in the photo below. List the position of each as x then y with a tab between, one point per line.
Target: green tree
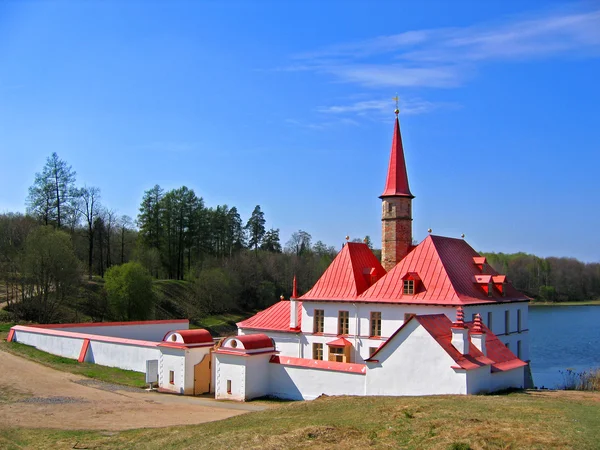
149	218
256	228
299	243
51	272
129	289
51	196
270	242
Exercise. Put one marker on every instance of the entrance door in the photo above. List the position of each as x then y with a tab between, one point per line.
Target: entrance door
202	376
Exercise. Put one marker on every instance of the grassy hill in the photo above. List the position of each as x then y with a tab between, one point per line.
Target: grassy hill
523	420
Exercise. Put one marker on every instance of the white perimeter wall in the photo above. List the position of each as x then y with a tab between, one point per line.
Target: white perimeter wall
69	347
129	355
414	364
124	356
143	332
303	383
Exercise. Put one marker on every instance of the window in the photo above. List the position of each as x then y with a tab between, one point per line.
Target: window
372	350
507	345
506	322
171	377
337	354
489	320
409	287
407	316
519	320
317	351
319	323
343	322
376	324
229	386
519	349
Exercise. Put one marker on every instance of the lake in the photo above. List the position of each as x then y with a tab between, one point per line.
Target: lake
563	337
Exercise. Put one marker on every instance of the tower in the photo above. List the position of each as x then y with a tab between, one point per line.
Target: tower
396	212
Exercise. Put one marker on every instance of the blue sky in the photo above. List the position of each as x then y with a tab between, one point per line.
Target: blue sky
288	105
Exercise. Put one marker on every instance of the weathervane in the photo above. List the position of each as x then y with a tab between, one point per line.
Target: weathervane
396	100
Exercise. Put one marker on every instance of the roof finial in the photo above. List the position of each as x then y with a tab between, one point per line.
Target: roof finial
396	111
294	289
477	328
460	318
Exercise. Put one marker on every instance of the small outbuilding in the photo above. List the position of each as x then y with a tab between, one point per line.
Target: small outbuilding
184	366
241	364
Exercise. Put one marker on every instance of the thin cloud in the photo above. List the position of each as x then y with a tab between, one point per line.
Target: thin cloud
447	57
382	108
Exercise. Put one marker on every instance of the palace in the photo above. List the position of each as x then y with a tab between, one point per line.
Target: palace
398	327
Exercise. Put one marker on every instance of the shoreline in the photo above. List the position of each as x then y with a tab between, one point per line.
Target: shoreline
584	303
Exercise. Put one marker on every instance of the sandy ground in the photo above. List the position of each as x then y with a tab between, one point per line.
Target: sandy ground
36	396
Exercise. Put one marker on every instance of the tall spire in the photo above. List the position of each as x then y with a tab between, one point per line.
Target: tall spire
396	213
396	183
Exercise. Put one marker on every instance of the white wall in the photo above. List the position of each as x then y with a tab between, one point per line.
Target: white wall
124	356
303	383
143	332
230	367
392	318
172	359
69	347
128	355
414	364
498	323
257	376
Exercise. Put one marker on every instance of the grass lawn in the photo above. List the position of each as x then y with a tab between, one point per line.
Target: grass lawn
523	420
108	374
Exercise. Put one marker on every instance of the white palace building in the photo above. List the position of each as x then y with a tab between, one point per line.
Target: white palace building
433	318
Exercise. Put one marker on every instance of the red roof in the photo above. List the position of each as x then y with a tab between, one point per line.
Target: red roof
197	336
396	183
340	342
445	267
255	341
274	318
352	271
439	326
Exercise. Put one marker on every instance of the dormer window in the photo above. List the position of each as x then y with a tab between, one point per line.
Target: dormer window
500	283
410	283
480	262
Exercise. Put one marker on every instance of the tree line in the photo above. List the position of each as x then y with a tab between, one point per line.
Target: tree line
67	235
549	279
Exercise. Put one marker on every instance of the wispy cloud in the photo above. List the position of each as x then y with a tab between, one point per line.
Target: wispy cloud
381	108
447	57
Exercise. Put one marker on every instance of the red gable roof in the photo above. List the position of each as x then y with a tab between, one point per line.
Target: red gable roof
255	341
352	271
396	183
439	326
274	318
445	267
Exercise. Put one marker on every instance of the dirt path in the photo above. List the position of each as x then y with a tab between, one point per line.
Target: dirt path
36	396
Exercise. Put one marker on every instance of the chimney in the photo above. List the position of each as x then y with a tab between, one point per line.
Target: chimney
293	307
460	333
478	335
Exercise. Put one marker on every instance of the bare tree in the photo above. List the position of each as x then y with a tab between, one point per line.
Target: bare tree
90	209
